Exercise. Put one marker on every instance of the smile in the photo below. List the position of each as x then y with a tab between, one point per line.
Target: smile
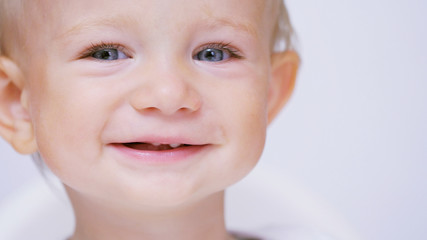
142	146
158	153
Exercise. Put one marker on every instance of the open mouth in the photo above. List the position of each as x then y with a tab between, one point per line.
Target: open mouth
154	152
142	146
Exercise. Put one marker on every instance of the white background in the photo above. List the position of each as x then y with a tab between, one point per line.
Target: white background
355	130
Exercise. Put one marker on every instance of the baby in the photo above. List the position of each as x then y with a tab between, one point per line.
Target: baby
145	110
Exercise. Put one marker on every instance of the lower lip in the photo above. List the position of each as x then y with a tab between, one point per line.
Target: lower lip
159	157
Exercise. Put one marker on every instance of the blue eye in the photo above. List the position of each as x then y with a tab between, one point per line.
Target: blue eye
212	55
105	52
217	52
108	54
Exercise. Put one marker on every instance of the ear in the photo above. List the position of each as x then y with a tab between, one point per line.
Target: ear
284	68
15	123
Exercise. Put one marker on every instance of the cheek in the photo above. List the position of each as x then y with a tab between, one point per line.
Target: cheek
246	107
251	123
242	112
67	122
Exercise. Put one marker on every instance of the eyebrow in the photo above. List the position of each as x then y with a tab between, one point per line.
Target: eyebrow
124	20
88	23
216	22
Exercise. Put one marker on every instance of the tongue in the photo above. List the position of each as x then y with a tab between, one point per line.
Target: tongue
148	146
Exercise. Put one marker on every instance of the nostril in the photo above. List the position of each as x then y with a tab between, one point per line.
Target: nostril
168	97
151	109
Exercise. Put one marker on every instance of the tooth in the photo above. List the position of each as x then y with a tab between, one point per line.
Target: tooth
174	145
156	144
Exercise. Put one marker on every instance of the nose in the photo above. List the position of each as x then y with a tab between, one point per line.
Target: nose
165	90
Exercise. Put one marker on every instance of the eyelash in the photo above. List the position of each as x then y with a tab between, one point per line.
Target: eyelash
101	46
234	53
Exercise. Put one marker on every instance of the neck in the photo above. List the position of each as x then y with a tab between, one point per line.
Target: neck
203	219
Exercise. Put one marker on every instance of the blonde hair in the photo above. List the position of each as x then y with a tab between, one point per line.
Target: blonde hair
8	8
284	35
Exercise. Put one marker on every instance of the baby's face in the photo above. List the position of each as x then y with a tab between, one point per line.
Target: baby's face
157	102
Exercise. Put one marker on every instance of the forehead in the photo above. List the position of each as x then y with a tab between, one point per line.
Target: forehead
65	14
188	6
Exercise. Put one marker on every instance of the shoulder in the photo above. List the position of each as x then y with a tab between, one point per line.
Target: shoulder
298	234
288	233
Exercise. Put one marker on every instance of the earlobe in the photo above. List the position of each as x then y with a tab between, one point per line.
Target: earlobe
15	123
284	68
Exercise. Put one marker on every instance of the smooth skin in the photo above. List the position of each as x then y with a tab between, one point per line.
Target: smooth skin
97	73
